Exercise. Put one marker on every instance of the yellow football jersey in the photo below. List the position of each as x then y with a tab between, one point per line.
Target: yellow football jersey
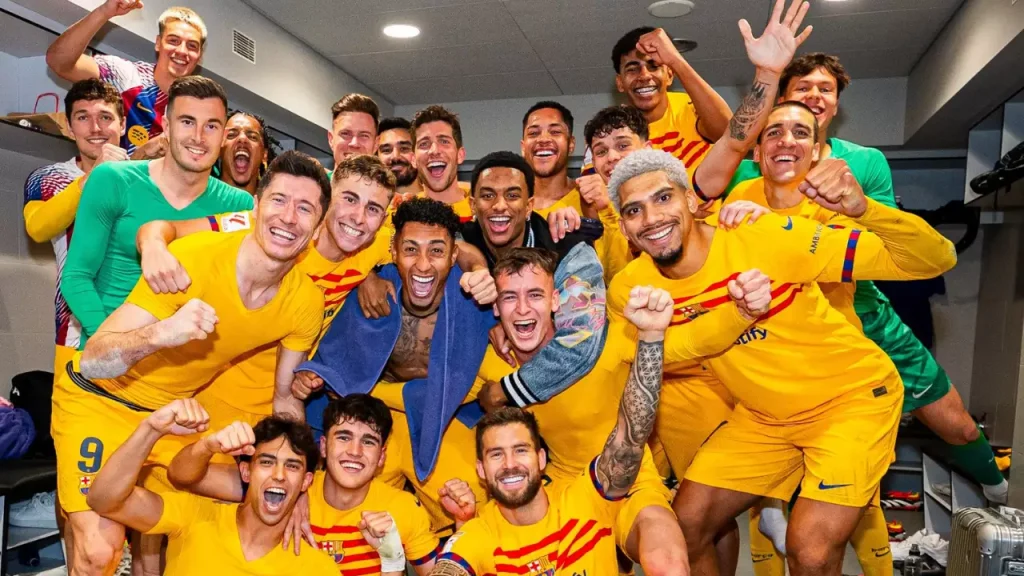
203	539
248	383
292	318
337	531
803	354
840	295
575	536
676	132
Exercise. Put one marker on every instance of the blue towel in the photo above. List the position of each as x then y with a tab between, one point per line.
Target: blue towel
355	350
17	432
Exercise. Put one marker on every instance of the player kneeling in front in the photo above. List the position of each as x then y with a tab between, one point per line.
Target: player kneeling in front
574	527
208	537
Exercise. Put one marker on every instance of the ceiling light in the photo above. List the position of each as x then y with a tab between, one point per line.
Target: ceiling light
670	8
401	31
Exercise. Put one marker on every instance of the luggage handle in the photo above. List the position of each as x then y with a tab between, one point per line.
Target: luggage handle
1012	515
56	102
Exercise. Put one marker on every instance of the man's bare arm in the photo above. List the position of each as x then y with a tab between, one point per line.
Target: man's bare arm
770	54
650	310
131	334
284	401
66	56
191	468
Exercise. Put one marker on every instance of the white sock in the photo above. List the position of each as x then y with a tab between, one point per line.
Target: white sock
996	493
773	524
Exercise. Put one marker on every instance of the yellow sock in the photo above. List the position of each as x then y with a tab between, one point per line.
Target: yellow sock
767	561
871	543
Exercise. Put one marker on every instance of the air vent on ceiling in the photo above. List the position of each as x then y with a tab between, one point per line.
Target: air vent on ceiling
243	46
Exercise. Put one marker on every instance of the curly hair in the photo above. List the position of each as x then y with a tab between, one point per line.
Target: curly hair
612	118
437	113
298	434
269	142
427	211
643	162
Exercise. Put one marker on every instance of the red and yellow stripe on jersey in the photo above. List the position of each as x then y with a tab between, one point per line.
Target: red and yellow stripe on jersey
841	295
575	536
676	132
337	531
803	356
247	385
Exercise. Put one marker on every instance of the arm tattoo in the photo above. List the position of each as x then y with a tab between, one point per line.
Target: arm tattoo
448	568
747	114
620	460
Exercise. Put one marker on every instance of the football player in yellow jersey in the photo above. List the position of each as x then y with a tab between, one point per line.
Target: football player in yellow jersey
437	136
527	529
395	150
818	404
645	528
685	124
158	347
209	537
345	249
353	127
346	507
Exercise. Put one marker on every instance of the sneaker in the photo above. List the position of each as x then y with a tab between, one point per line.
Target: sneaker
896	532
38	512
895	500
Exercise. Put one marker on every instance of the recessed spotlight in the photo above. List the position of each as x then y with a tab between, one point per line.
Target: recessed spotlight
401	31
670	8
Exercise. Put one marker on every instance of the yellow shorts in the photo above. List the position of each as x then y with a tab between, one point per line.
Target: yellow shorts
691	409
840	455
61	357
648	490
86	429
456	459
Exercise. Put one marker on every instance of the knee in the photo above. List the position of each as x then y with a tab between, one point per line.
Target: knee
93	555
699	536
667	561
807	556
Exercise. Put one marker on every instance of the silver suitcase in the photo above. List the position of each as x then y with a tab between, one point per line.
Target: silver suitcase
987	542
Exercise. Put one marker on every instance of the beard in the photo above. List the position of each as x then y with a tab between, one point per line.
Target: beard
670	258
533	484
404	177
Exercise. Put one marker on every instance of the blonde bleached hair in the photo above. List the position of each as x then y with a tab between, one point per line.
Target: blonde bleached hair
182	14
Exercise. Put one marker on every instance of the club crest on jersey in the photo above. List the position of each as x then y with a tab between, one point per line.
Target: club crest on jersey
333	548
540	567
688	313
84	482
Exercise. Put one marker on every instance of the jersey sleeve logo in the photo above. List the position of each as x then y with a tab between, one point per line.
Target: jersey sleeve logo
234	222
451	542
789	223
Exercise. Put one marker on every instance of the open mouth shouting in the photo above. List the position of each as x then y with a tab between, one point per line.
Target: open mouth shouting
525	328
436	168
499	223
422	286
242	161
274	499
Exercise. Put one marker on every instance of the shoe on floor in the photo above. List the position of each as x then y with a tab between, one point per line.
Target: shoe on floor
38	512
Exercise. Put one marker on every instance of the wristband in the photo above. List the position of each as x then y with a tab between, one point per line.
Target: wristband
392	555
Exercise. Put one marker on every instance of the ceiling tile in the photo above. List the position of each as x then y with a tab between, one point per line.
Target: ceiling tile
585	80
906	29
480	87
439	63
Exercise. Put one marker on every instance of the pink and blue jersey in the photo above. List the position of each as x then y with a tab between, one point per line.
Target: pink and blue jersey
42	184
144	102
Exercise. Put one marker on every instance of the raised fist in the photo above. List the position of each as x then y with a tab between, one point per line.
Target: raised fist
752	293
237	439
193	321
180	418
649	309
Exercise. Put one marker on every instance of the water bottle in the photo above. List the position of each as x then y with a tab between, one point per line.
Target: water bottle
912	565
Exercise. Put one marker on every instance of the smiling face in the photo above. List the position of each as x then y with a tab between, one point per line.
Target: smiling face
609	149
642	81
358	207
657	215
93	124
511	464
820	92
547	142
501	205
179	49
195	132
243	151
352	133
526	303
787	149
289	212
353	452
437	155
424	255
277	477
395	150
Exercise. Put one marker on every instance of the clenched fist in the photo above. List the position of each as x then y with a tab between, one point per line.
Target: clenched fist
594	191
305	383
650	310
181	418
237	439
752	293
833	186
193	321
458	500
480	285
